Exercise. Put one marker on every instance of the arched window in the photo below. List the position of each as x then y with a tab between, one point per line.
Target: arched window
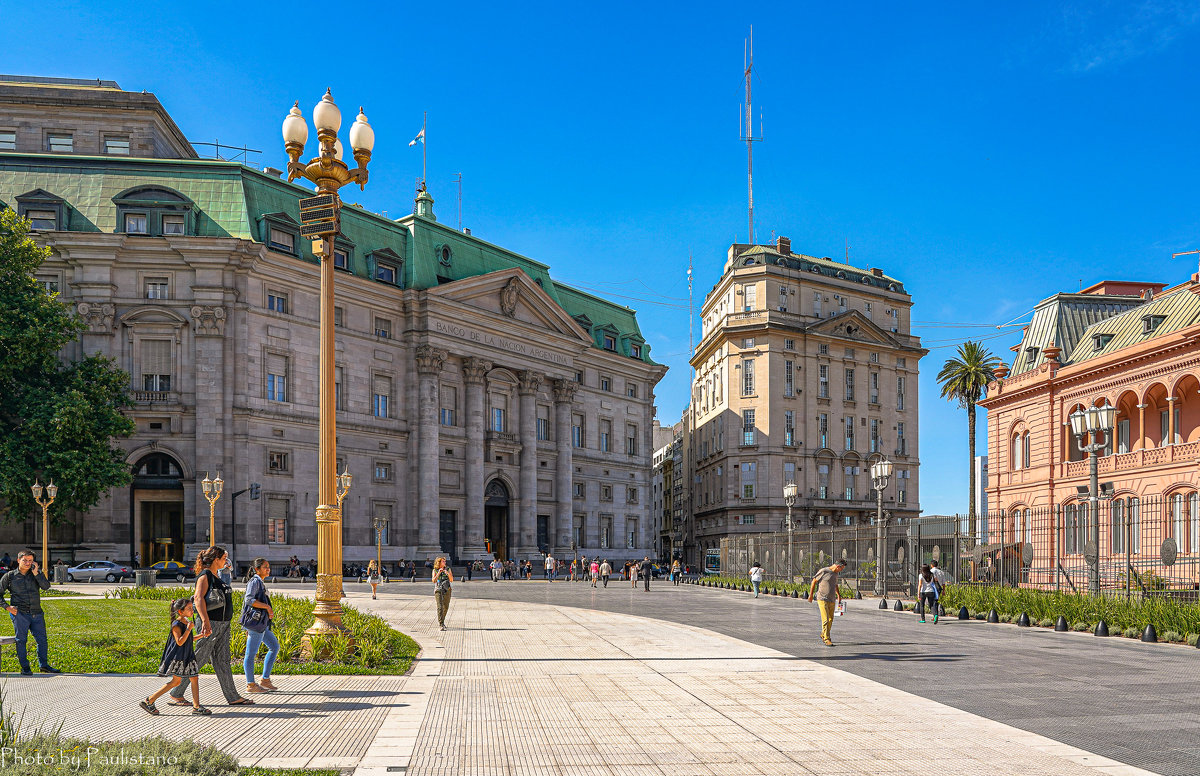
1084	526
1135	525
1175	527
1015	454
1027	535
1193	522
157	465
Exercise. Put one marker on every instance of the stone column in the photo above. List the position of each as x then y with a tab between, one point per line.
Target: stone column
474	372
429	366
1141	440
564	395
1171	420
527	390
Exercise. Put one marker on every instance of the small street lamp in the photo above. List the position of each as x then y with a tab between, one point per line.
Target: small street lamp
212	492
789	498
51	491
1097	423
881	472
320	219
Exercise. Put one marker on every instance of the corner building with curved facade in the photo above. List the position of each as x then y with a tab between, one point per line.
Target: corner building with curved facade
477	399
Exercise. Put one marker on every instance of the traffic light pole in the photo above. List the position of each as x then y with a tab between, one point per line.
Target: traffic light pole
253	490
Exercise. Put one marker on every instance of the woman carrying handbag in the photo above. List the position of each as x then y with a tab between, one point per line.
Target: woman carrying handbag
442	578
256	619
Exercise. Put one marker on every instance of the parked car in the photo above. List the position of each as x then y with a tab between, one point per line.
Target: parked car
93	570
173	569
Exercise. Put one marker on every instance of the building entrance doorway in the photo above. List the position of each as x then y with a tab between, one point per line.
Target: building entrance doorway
495	517
448	535
156	510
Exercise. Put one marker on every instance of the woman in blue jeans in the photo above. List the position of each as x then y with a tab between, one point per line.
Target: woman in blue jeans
257	598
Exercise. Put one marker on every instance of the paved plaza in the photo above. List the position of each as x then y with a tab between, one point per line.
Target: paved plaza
541	679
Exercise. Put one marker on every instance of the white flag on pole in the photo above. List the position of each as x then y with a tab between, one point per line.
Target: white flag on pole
420	136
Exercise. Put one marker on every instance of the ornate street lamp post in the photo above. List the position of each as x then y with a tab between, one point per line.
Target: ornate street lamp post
881	472
320	218
212	492
51	491
1097	423
789	498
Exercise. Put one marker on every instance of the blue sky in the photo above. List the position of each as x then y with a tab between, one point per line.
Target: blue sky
988	156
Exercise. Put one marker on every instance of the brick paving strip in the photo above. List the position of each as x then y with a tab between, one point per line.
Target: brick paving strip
518	688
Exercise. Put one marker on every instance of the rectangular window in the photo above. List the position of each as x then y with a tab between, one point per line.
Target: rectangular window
277	302
823	381
867	310
789	378
606	522
874	358
281	240
631	532
748	377
823	429
158	288
631	495
277	462
817	303
1025	450
901	443
783	299
610	342
631	439
606	492
849	352
49	284
381	521
823	480
789	344
383	471
339	316
543	423
116	146
874	435
635	351
157	366
849	432
749	478
381	395
901	363
383	328
849	483
1123	436
8	140
277	521
606	436
874	394
605	383
499	422
789	428
822	350
748	431
449	409
577	430
136	223
386	273
747	342
899	393
339	394
579	488
341	258
276	377
849	385
631	390
842	302
43	220
60	144
749	298
173	225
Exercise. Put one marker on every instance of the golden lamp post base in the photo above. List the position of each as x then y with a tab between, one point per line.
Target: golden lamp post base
327	611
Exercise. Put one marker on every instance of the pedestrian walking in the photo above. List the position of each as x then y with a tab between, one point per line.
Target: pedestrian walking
214	603
374	578
470	568
605	571
443	577
412	571
647	571
943	577
179	659
676	571
21	593
594	571
258	618
928	593
549	565
528	570
497	569
632	570
828	596
756	577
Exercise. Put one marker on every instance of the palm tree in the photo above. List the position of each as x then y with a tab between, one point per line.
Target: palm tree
964	379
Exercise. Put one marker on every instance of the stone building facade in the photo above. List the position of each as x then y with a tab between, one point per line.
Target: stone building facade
806	372
479	402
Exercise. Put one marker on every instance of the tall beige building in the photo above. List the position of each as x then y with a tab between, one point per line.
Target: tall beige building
478	400
805	372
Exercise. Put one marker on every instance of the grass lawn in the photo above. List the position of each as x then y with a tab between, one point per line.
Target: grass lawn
126	635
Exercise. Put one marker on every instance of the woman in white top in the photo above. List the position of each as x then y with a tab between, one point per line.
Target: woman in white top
756	576
928	593
373	577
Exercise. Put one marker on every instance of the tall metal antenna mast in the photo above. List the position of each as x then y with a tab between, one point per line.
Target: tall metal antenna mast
748	136
458	180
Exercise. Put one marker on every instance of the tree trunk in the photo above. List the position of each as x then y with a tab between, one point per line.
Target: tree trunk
971	517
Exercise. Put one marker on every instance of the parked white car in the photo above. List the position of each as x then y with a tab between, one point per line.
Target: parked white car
94	570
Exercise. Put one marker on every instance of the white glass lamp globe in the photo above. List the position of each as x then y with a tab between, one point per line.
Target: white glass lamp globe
338	149
295	128
326	115
362	136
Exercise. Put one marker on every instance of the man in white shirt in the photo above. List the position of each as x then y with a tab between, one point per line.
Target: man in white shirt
942	577
497	569
549	567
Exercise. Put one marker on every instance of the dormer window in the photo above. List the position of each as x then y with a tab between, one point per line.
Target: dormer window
341	259
281	240
385	273
44	220
153	211
610	342
135	223
45	211
1151	322
386	266
1031	354
1100	341
636	351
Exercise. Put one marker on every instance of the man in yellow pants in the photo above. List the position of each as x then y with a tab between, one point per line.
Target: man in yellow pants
825	585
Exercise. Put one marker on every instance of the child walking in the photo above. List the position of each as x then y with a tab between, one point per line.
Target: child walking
179	658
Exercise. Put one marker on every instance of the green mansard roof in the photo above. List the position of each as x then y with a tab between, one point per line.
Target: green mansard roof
232	200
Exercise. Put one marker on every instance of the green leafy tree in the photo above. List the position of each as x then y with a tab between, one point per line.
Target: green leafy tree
58	419
964	378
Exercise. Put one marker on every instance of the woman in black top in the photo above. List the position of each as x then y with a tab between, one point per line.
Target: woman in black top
214	604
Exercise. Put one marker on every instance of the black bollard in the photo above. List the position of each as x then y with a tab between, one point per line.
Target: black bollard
963	614
993	616
1150	636
899	607
883	603
1060	624
1023	620
1101	628
795	593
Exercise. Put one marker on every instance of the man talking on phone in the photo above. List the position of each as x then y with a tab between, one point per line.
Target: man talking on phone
20	593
